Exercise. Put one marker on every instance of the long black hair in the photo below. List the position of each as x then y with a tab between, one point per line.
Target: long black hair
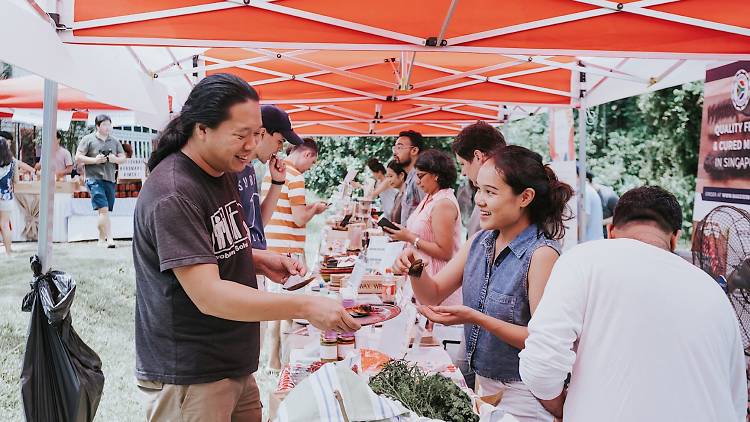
522	169
6	157
208	103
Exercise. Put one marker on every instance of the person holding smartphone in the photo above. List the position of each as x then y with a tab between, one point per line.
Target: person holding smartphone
101	153
286	231
433	231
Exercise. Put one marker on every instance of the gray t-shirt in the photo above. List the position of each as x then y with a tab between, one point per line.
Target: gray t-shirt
186	217
91	146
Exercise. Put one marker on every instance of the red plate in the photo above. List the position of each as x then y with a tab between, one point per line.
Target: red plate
380	313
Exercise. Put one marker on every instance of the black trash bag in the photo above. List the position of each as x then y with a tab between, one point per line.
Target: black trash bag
62	379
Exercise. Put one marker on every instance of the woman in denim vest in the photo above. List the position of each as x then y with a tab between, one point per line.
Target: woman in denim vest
503	270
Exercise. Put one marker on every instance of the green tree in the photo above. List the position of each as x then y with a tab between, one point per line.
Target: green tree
650	139
6	71
338	154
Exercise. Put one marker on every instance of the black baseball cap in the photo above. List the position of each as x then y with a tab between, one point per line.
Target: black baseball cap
276	120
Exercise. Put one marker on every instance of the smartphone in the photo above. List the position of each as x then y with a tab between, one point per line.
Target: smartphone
346	219
384	222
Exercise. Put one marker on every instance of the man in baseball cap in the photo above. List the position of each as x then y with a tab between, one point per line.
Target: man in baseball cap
277	129
275	120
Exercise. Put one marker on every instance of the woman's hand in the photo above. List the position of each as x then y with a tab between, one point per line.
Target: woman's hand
404	261
449	315
403	234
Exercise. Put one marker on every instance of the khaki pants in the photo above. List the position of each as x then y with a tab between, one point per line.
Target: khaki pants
227	400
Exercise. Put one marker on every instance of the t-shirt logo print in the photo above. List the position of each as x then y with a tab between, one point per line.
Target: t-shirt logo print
229	231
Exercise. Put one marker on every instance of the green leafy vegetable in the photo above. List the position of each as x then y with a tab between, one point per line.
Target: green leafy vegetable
432	396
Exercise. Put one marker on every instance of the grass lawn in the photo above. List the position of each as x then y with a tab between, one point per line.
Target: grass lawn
102	315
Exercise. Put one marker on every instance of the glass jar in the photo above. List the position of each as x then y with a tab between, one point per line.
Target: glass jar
328	346
346	344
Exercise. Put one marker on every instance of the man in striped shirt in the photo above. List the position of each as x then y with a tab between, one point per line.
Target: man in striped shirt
285	233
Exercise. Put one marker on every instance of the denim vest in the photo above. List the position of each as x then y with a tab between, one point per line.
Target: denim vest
499	290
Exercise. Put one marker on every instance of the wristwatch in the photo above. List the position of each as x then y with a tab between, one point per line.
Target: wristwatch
416	243
277	182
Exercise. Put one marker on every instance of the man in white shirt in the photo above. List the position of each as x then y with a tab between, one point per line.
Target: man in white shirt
645	335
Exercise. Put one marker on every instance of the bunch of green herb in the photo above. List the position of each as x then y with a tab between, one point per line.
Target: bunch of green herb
432	396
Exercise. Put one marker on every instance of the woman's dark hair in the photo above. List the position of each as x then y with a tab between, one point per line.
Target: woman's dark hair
101	119
439	163
479	136
375	166
397	168
6	157
307	144
522	169
208	103
649	203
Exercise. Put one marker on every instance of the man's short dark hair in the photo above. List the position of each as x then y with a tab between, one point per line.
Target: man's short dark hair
375	166
480	136
416	138
101	119
307	143
649	203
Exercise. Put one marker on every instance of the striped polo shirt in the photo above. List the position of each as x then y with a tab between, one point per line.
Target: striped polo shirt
282	234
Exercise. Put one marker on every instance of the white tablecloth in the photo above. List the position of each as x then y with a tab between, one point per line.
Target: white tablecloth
60	217
75	220
123	207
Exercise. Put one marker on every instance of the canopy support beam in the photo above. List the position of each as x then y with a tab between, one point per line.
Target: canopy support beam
47	196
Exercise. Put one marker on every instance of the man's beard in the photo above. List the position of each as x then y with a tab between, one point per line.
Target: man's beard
406	163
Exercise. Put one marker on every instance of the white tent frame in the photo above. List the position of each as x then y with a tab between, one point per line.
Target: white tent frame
402	41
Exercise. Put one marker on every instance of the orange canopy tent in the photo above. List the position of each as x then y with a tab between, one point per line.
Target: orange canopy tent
27	92
373	92
629	28
438	93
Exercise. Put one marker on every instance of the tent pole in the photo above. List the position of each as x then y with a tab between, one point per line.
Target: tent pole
582	139
47	199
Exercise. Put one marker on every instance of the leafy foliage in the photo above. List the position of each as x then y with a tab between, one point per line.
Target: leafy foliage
650	139
339	154
432	396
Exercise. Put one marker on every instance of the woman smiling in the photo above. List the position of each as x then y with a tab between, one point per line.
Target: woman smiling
503	270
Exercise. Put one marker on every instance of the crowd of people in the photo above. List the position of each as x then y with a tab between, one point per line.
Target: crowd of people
618	328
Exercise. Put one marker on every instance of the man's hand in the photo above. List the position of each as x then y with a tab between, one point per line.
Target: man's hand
449	315
277	168
100	159
555	406
320	207
404	261
278	268
328	314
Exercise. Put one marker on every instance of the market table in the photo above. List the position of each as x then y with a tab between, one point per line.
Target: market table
388	340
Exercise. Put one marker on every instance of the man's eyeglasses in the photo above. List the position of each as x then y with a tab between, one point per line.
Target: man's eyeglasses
399	147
